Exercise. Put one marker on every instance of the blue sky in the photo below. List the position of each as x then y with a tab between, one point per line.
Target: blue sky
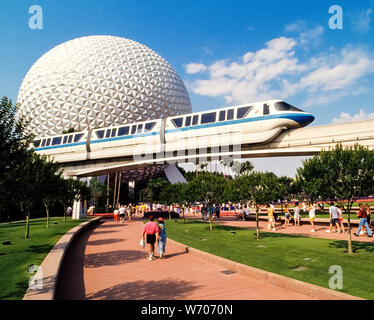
226	52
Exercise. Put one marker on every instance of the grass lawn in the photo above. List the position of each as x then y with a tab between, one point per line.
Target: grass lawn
16	258
301	258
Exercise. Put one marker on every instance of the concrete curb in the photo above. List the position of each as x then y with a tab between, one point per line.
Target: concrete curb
275	279
46	277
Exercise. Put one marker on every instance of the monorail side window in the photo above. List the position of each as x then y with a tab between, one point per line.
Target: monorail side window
230	114
56	140
70	139
123	131
77	137
208	117
140	128
177	122
43	142
284	106
222	115
48	142
114	132
36	143
99	134
187	122
149	126
266	109
107	135
133	129
195	120
242	112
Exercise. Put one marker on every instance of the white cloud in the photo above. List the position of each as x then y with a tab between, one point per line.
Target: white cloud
361	22
276	72
346	117
193	68
305	35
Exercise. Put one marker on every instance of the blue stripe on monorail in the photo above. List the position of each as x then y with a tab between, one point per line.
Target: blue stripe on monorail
298	117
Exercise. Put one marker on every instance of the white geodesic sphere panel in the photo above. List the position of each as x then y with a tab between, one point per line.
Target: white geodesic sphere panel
99	81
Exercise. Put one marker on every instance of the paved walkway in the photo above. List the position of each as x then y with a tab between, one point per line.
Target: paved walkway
115	267
303	230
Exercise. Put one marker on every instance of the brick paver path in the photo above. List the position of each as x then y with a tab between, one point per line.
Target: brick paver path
116	267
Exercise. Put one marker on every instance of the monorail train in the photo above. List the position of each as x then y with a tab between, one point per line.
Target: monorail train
244	124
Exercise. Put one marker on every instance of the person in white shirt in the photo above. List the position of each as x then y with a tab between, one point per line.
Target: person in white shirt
334	215
340	217
312	215
122	211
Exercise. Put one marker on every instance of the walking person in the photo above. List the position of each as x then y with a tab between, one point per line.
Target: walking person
334	215
297	214
217	210
128	212
204	212
363	214
122	212
287	215
161	243
340	217
312	215
271	219
151	235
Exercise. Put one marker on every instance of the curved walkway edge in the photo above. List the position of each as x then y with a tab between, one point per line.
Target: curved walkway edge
47	275
275	279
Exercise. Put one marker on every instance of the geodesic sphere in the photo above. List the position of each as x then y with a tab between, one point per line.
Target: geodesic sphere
99	81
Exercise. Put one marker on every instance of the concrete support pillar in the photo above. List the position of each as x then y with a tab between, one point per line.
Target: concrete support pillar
79	209
131	190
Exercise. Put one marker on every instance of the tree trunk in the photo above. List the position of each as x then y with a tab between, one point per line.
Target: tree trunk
210	222
27	235
47	213
350	251
169	213
65	209
184	219
257	227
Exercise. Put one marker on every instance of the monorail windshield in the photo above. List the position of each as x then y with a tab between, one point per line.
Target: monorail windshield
284	106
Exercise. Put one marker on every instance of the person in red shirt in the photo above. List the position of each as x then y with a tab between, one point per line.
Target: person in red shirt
363	214
150	235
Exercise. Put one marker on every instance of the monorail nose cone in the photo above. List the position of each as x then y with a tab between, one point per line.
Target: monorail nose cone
307	119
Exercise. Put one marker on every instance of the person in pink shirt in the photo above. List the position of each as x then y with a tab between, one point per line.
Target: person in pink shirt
151	231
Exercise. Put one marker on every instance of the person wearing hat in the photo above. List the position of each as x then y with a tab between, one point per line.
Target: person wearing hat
161	243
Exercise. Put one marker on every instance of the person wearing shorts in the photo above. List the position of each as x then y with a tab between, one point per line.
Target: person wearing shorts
271	219
334	215
312	215
151	235
297	214
287	215
340	217
122	211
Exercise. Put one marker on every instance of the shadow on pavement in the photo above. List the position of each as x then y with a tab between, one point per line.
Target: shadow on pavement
147	290
113	258
70	285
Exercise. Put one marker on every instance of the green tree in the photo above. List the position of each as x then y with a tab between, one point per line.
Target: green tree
48	185
14	141
98	190
346	173
246	168
257	187
206	187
